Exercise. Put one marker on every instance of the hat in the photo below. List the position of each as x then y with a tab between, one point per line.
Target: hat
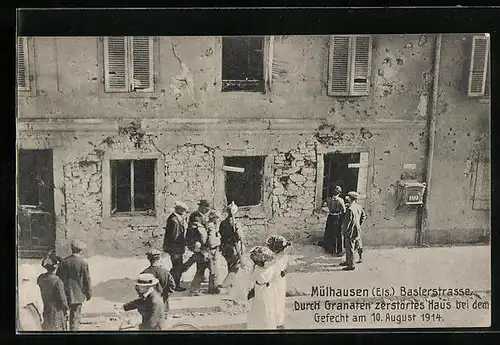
26	272
78	244
277	243
146	279
353	195
261	254
50	263
204	203
153	253
180	204
232	208
337	189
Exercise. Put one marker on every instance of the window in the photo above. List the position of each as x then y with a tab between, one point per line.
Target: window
128	64
243	63
23	72
481	180
349	65
479	67
133	186
244	177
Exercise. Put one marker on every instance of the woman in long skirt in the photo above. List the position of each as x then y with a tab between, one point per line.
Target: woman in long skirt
278	244
262	314
55	304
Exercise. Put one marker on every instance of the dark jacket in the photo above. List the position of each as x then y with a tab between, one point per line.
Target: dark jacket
174	241
74	272
166	283
55	303
192	233
231	234
151	309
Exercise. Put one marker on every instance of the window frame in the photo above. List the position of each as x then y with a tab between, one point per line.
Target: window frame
351	92
129	94
137	218
30	62
486	82
267	65
263	210
481	198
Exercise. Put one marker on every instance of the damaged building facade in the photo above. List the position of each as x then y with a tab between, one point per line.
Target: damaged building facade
113	130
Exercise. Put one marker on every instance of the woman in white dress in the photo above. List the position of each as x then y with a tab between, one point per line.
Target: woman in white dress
278	245
262	314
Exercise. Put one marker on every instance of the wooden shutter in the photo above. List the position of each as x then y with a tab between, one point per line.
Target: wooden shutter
268	62
478	65
339	66
481	187
116	69
23	76
361	65
363	176
142	63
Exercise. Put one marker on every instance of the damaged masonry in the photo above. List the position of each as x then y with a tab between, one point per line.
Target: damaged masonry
257	122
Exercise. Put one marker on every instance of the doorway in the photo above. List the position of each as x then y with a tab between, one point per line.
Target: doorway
340	169
35	185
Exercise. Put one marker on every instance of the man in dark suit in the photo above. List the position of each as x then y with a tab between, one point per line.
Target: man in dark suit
74	272
174	241
204	208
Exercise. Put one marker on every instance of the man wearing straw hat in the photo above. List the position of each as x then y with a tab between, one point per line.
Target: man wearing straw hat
149	304
351	229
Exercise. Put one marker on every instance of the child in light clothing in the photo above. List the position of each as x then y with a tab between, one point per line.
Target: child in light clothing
277	244
262	314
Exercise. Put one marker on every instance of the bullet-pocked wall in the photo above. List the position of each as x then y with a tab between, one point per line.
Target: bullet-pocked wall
188	125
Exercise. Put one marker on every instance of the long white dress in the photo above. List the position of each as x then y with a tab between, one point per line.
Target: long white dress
262	314
279	287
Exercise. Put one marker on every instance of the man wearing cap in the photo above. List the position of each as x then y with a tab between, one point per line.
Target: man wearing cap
332	241
174	242
74	272
149	304
204	207
166	283
351	228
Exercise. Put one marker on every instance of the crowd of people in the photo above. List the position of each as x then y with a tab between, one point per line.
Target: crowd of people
54	303
343	227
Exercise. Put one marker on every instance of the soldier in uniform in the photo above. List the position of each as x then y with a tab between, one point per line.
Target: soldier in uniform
351	229
332	241
166	283
174	242
231	244
149	304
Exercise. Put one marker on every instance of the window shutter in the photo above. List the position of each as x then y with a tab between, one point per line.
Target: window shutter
269	55
142	64
478	66
362	176
361	65
339	66
23	77
115	64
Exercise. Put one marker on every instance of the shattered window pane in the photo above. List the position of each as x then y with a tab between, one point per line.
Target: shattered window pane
242	64
133	179
245	189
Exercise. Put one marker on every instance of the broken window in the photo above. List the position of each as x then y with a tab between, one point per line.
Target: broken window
128	64
244	180
23	73
133	186
243	64
347	170
349	65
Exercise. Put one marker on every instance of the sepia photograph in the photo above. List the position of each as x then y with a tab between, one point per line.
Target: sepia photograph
275	182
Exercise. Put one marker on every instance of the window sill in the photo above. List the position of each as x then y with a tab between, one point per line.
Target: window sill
124	220
105	94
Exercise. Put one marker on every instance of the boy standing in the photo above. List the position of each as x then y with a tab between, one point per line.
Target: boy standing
166	283
74	272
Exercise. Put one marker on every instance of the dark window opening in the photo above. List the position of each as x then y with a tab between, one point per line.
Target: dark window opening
245	188
338	173
133	186
243	64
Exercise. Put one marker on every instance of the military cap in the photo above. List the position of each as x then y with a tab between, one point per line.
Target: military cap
353	195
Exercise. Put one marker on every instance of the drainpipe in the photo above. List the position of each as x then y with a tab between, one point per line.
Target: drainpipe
421	232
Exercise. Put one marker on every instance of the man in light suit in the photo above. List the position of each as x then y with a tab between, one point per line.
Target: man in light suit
74	272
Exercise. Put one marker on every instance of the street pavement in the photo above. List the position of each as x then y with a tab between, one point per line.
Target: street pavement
446	267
